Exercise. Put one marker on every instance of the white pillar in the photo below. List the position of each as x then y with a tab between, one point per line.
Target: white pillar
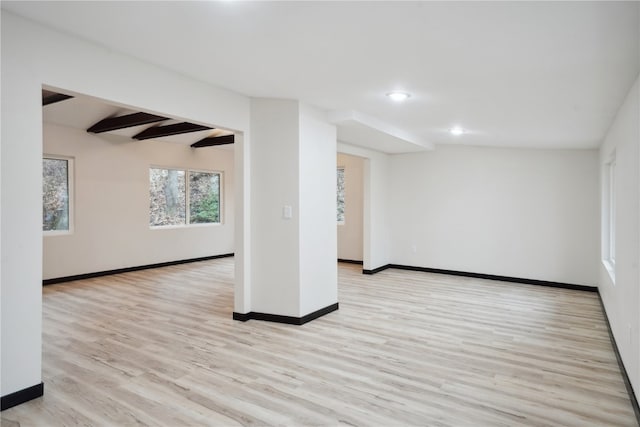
242	200
293	209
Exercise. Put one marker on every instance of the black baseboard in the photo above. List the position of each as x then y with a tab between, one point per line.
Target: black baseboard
486	276
21	396
129	269
349	261
290	320
376	270
500	278
623	370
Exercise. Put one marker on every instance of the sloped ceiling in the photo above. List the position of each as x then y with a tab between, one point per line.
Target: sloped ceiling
81	112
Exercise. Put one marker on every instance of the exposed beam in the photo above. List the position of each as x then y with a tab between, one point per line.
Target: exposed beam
52	98
214	140
121	122
168	130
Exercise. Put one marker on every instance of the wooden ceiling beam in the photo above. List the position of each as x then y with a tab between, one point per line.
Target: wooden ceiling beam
122	122
214	140
168	130
53	98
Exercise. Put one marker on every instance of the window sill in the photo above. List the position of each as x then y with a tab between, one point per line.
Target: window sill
184	226
611	270
57	233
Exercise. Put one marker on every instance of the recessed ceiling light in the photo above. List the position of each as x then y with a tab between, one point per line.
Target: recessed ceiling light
457	131
399	96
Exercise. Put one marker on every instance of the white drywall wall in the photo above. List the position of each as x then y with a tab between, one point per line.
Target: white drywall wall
33	55
111	204
521	213
293	164
622	298
375	224
275	246
350	238
242	220
317	187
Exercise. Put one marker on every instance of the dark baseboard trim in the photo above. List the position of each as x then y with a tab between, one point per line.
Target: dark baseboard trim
21	396
290	320
349	261
485	276
129	269
242	317
623	370
496	277
376	270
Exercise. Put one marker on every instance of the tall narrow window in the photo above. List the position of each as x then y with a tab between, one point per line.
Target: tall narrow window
340	193
168	197
609	216
612	211
204	197
56	194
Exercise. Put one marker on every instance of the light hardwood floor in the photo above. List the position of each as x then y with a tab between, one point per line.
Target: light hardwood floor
159	347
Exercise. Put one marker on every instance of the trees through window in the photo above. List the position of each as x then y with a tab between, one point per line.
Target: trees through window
179	197
340	193
56	194
204	197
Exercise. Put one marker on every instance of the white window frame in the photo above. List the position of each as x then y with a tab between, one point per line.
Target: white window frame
344	171
187	224
609	216
70	196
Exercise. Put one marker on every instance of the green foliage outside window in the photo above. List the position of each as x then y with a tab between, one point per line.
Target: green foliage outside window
55	194
168	195
204	197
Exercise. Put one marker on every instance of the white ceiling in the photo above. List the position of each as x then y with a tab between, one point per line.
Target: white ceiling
517	74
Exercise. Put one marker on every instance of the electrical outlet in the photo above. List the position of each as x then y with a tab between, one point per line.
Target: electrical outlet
414	248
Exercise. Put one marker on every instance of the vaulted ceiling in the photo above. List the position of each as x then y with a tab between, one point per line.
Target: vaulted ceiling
516	74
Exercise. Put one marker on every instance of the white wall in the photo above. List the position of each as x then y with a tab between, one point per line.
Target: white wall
521	213
622	299
33	55
111	209
242	220
350	238
275	246
376	223
318	244
293	164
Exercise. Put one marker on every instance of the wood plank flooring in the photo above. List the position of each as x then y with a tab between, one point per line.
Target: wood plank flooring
159	348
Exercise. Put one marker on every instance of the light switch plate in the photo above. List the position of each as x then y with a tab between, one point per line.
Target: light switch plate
287	212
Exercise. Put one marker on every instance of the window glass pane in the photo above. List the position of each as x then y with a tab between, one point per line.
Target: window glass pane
204	197
612	212
340	193
168	197
55	194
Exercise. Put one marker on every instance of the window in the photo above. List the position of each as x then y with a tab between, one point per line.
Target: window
609	216
340	192
176	200
56	194
168	197
204	197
